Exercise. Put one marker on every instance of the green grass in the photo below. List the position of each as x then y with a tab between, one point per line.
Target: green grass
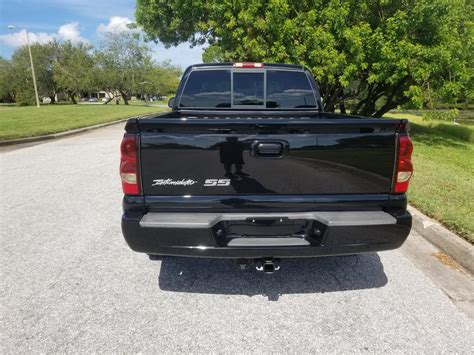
152	103
21	122
443	182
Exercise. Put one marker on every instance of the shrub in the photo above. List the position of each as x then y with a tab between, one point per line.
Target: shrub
449	115
25	98
445	130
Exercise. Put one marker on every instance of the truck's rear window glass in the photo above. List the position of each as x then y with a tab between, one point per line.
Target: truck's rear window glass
289	89
248	89
207	88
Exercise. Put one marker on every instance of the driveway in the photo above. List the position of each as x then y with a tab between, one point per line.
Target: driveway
70	283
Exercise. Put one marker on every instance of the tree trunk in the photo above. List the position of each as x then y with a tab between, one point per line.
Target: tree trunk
332	95
394	99
342	107
328	107
73	99
124	97
389	105
367	106
384	109
53	98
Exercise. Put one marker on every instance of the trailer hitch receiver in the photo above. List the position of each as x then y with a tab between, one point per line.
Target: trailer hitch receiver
267	265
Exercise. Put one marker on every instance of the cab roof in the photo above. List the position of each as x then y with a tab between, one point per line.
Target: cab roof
231	65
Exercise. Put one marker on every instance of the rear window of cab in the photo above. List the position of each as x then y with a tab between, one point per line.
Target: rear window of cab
225	88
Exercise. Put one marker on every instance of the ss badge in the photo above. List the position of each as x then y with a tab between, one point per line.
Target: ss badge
217	182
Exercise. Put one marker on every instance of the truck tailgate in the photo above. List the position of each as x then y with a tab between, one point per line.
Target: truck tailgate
271	155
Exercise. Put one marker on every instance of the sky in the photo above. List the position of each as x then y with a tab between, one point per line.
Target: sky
77	20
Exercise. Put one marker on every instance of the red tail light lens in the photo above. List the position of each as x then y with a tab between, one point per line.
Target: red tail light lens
128	164
404	166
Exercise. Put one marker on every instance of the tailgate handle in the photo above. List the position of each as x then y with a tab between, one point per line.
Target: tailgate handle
265	149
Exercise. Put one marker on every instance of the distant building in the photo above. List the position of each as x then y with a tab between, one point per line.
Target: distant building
99	95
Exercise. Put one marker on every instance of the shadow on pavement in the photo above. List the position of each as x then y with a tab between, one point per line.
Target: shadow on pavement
308	275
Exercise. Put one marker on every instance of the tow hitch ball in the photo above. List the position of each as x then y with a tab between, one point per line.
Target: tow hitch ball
267	265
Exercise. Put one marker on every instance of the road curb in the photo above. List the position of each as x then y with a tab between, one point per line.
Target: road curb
52	136
460	250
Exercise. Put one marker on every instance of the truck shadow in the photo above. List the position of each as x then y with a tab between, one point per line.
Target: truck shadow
308	275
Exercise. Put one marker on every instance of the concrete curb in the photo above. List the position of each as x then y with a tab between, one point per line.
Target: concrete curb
456	247
59	135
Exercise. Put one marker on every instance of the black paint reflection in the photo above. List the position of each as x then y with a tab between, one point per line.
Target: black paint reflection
231	152
248	185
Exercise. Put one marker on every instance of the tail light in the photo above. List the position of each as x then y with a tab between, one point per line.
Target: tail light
404	168
128	164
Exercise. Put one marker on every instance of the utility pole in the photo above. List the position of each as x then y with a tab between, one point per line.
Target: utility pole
32	65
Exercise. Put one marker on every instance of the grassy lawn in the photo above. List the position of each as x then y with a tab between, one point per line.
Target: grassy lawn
20	122
443	182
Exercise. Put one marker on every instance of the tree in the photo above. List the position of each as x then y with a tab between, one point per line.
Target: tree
7	93
213	54
161	79
44	56
74	68
59	66
123	60
377	53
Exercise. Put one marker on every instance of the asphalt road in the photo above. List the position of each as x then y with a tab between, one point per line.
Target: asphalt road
70	283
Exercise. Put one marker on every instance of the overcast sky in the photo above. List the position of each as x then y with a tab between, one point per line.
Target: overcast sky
76	20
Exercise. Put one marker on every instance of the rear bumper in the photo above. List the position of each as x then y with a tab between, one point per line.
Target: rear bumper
208	234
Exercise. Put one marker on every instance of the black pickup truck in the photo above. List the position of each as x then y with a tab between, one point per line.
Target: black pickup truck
248	166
